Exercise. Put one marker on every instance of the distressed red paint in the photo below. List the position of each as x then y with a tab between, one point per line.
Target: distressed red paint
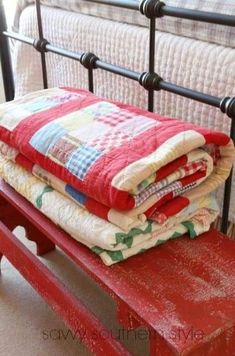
179	291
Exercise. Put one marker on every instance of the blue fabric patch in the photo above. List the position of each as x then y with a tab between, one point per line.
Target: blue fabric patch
81	160
76	195
46	137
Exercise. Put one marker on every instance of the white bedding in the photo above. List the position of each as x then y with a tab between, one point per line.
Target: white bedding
192	63
223	35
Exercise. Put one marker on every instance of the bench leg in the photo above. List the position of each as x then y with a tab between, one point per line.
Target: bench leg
83	323
126	318
157	345
12	218
44	245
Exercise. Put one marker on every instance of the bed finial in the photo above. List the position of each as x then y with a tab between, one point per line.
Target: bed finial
88	60
150	81
227	106
40	45
151	8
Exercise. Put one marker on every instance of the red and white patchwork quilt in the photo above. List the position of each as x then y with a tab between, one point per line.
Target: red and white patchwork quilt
120	163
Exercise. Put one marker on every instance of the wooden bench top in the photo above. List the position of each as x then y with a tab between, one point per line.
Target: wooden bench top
183	290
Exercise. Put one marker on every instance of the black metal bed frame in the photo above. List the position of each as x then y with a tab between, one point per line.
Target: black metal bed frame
150	80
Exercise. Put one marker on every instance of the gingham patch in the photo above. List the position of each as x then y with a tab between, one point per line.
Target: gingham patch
109	141
160	217
193	167
81	160
114	118
185	171
159	194
184	189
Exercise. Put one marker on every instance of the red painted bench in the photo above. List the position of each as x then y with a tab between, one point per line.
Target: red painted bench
182	291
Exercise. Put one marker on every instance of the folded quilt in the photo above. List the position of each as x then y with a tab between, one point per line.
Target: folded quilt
117	178
102	237
155	196
113	157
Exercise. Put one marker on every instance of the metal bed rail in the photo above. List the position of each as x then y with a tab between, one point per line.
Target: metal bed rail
150	80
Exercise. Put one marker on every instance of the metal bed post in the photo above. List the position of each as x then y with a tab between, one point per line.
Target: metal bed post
147	7
152	27
40	44
228	106
5	57
88	60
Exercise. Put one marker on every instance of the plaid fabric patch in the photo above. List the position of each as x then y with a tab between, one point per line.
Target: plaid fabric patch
159	194
160	217
109	141
81	160
193	167
114	118
184	189
169	189
62	149
185	171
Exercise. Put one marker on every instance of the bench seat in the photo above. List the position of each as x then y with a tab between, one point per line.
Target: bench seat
183	291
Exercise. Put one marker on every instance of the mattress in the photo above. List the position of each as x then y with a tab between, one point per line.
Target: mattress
191	63
223	35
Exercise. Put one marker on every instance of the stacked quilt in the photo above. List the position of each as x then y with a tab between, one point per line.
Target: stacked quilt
117	178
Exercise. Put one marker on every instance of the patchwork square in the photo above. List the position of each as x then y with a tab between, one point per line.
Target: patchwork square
99	109
62	149
76	195
22	108
137	125
89	132
81	160
38	105
82	119
66	96
74	120
10	119
114	118
46	137
110	140
47	102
